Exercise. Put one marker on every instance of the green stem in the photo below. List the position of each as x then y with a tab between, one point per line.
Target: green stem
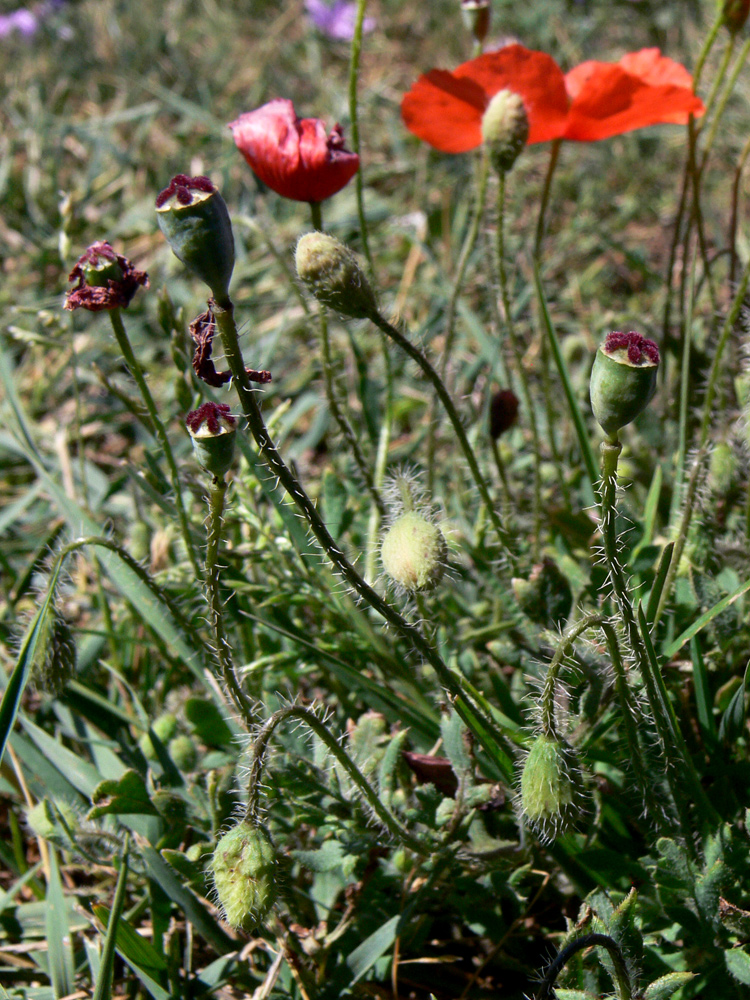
621	975
354	116
518	357
224	314
728	90
216	499
421	847
443	395
707	46
735	211
159	430
542	217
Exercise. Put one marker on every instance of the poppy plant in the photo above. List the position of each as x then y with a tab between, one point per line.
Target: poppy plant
292	155
596	100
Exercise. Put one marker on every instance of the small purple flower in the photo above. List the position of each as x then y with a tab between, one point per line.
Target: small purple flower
22	20
336	20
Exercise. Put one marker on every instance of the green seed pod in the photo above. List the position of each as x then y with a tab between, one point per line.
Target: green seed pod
550	787
213	430
164	729
183	752
334	275
722	466
414	552
505	129
623	379
195	221
476	17
734	14
243	867
55	655
546	597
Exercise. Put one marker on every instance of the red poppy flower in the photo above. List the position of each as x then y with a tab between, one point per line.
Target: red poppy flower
594	101
292	155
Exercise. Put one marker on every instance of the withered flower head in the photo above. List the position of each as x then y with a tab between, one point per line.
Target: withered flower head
106	280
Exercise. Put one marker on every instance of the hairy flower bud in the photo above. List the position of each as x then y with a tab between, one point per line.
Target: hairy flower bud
213	430
243	867
54	661
414	552
505	129
734	14
550	786
334	275
623	379
195	221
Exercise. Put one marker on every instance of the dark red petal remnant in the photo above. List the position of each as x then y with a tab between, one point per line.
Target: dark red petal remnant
503	412
211	414
118	280
292	155
203	330
640	349
181	187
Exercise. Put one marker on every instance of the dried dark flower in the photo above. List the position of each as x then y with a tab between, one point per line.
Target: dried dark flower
203	330
106	280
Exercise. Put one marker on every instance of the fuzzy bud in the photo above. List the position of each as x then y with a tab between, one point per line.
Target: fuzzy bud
242	867
183	752
414	552
623	379
195	221
550	786
163	729
334	275
55	655
505	129
213	430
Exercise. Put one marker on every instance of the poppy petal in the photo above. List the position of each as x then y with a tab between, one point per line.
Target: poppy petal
654	68
445	112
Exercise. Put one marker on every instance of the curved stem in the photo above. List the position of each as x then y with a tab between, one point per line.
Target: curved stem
621	974
224	314
542	217
216	498
310	719
518	357
161	434
416	355
549	724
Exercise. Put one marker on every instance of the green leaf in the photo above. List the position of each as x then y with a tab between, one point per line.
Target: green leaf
703	701
376	945
700	623
104	979
562	994
454	732
733	720
59	950
663	987
207	722
738	963
328	858
659	581
126	795
131	945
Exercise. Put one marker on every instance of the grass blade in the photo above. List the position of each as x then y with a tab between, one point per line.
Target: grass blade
104	980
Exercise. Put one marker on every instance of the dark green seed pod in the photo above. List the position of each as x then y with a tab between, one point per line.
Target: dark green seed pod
623	379
334	275
505	129
243	868
551	787
414	552
476	17
195	221
163	729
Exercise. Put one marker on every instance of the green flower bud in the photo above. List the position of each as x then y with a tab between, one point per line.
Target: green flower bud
213	430
623	379
550	787
49	820
163	729
546	597
54	661
195	221
243	867
334	275
505	129
183	752
414	552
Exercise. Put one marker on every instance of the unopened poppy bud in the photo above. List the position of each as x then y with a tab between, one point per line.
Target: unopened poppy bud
623	379
476	15
195	221
183	752
734	14
503	412
163	729
414	552
213	430
243	867
54	661
334	275
551	794
505	129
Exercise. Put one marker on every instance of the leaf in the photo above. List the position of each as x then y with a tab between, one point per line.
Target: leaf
328	858
659	581
59	953
702	694
562	994
126	795
733	720
738	963
372	948
663	987
207	722
454	732
700	623
104	979
131	945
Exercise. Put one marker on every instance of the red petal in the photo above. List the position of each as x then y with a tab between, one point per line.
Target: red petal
654	68
445	109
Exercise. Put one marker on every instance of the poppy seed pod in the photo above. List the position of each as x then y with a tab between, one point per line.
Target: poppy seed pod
550	786
623	379
195	221
213	430
414	552
476	15
735	13
334	275
505	129
242	867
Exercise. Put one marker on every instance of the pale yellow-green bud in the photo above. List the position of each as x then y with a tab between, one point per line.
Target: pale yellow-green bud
551	792
505	129
414	552
334	275
243	868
